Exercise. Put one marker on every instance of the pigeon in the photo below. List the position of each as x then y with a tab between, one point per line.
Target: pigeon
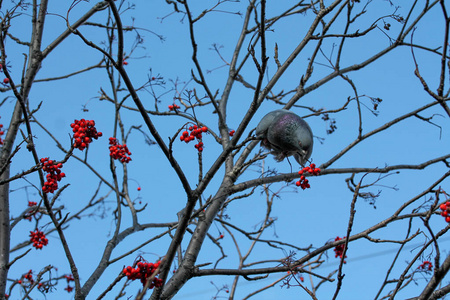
286	134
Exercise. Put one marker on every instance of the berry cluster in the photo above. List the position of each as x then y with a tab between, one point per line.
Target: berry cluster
196	133
83	133
68	288
339	250
426	266
29	276
231	133
303	182
69	278
143	271
54	174
118	151
174	107
38	238
445	207
199	146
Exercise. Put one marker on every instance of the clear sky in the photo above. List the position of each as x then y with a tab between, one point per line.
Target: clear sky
311	217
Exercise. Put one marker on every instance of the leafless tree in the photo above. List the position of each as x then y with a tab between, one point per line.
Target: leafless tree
284	54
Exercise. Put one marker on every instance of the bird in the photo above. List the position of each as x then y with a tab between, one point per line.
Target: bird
285	134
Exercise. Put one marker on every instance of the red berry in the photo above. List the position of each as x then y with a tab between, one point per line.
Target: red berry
117	151
38	238
54	174
142	271
84	131
6	80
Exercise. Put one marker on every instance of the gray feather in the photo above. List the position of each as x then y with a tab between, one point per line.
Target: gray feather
286	134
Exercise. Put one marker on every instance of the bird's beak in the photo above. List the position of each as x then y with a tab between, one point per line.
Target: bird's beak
299	158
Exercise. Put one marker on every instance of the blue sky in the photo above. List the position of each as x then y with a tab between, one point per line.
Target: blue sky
313	216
